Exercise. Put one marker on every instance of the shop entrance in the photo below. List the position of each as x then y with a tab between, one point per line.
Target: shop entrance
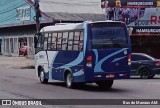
149	45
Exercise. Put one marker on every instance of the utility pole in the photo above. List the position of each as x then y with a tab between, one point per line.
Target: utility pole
38	15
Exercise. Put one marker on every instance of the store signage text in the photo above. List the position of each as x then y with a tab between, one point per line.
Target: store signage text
129	3
143	22
140	3
155	20
147	30
23	13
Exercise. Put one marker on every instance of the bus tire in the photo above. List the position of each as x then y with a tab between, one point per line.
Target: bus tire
42	78
105	84
69	80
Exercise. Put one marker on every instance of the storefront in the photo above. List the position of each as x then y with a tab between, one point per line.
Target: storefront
18	26
143	21
146	40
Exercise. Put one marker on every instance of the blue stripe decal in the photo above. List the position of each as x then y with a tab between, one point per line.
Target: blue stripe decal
77	61
85	37
117	59
50	70
96	54
99	64
79	73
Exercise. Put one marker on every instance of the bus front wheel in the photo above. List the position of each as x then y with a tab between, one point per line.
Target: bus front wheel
105	84
42	77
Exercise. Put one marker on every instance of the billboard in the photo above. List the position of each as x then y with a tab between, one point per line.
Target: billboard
137	16
140	21
129	3
144	31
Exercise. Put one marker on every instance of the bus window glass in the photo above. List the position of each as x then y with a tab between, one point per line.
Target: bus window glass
81	41
64	41
76	37
76	41
40	41
70	41
59	41
49	40
54	36
45	43
108	36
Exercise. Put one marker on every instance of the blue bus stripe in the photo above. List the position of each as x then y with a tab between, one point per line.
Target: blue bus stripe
117	59
85	38
99	64
77	61
96	54
79	73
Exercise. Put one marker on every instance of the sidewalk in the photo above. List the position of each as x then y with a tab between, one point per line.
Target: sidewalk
16	62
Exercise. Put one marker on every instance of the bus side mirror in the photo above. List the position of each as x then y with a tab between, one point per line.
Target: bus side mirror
35	41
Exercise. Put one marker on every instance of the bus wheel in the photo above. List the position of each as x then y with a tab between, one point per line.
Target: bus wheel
69	80
105	84
42	77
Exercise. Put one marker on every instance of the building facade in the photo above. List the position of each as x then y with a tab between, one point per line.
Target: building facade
18	26
143	26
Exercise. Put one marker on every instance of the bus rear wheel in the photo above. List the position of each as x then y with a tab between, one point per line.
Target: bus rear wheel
69	80
105	84
42	77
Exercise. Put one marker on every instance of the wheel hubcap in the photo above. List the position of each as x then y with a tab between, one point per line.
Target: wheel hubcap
69	79
42	76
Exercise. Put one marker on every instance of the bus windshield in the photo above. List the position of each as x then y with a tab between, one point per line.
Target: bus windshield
108	35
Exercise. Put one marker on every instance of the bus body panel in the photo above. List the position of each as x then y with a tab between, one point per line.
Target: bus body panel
106	63
68	61
58	62
109	63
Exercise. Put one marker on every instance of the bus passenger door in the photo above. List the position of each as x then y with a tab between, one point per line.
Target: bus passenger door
42	60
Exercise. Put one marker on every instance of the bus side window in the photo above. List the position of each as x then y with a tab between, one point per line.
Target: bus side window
45	43
53	45
59	41
70	41
49	41
81	41
76	41
64	41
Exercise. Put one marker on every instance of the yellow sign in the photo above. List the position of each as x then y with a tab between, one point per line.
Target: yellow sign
158	3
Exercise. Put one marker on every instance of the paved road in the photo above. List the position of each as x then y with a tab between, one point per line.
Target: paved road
23	84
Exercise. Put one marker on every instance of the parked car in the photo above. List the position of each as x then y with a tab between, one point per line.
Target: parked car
23	50
144	65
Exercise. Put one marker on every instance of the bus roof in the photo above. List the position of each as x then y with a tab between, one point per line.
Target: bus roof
70	26
62	27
